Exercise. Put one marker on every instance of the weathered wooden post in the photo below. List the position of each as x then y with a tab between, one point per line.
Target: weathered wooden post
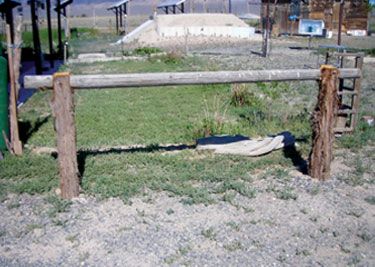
323	122
63	110
15	143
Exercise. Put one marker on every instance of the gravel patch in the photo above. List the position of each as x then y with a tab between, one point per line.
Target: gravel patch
329	225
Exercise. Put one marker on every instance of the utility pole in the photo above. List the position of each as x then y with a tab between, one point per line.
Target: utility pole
340	21
266	31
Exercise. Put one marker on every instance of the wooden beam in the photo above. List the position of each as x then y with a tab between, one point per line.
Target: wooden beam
62	105
357	92
16	145
184	78
17	52
323	120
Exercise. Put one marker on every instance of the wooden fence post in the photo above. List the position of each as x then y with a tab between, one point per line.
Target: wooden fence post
323	122
16	144
63	110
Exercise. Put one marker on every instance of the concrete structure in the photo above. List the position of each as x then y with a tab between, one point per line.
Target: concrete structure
164	27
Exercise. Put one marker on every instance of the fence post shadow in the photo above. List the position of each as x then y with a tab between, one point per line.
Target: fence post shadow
83	154
27	129
298	161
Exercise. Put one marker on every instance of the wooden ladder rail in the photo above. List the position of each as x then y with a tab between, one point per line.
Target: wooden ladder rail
352	110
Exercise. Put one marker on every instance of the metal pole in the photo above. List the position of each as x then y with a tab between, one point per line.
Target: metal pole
340	22
59	27
9	21
120	9
116	20
266	33
36	40
230	6
49	26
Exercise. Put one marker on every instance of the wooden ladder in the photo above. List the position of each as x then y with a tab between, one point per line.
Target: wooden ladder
349	91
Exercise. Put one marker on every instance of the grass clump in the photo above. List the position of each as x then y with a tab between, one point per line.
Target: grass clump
238	186
213	118
370	200
209	233
286	194
362	136
58	205
146	51
242	96
233	246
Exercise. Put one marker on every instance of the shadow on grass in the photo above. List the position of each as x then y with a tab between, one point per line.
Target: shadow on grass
26	129
257	53
83	154
292	153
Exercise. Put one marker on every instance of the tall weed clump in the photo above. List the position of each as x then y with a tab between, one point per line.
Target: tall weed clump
214	117
242	96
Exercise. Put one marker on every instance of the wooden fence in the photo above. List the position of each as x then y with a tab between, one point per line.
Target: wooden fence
63	85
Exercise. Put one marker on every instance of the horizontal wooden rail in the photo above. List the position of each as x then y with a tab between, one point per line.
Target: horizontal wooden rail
184	78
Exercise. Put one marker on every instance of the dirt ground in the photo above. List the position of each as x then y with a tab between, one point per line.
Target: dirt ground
292	221
328	224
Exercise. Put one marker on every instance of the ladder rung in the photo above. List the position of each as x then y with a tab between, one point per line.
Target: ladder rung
340	54
346	111
343	130
348	93
347	88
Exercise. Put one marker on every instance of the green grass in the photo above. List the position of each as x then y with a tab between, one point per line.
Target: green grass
161	115
363	135
27	37
155	116
142	51
186	174
27	174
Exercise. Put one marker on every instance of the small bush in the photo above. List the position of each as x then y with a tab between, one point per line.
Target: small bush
213	120
143	51
286	194
241	96
58	205
172	58
238	186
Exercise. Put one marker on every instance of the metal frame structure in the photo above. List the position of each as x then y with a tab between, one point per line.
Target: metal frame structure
174	5
34	6
6	10
121	10
60	8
